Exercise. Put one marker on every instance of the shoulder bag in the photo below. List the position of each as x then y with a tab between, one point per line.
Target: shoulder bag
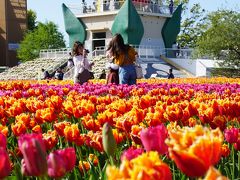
85	75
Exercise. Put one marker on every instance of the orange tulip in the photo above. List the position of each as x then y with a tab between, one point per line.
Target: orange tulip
18	128
219	121
59	127
94	159
37	129
214	174
50	139
68	107
3	121
94	140
54	102
46	115
173	113
16	109
194	150
135	133
80	140
118	136
2	113
71	132
90	124
225	151
65	90
145	166
4	130
24	118
84	166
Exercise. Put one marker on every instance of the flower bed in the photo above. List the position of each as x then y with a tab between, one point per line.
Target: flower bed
157	129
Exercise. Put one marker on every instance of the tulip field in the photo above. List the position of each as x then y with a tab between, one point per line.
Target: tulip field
159	129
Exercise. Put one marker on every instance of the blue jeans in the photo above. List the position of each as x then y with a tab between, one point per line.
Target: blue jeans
127	74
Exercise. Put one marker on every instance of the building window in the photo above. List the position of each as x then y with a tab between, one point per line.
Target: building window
98	39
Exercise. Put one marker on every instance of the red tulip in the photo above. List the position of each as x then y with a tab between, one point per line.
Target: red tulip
153	139
3	141
5	167
61	161
34	154
237	145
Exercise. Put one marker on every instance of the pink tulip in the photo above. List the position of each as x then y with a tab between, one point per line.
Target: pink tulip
3	141
153	139
60	162
231	135
131	153
56	166
34	154
5	167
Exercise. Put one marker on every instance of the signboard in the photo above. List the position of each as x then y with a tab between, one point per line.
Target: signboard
13	46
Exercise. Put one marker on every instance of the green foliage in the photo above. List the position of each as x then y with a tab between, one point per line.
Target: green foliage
192	27
31	20
44	36
227	72
222	37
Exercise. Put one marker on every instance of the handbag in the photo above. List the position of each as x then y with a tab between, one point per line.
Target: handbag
84	76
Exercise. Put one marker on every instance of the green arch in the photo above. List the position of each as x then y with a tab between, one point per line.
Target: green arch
171	28
128	23
75	28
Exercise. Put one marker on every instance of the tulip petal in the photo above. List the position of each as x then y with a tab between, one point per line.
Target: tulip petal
192	166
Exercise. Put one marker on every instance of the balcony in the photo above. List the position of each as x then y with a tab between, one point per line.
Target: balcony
111	6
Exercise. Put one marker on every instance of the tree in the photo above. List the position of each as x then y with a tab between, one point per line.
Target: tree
222	38
192	27
31	19
44	36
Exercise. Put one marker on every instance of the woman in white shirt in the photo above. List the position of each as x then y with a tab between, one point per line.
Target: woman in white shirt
80	62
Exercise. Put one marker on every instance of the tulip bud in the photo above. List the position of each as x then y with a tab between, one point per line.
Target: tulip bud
109	143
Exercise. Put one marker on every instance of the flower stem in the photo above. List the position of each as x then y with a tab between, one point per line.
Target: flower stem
233	162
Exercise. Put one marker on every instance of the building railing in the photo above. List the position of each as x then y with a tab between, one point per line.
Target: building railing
54	53
144	52
112	5
179	53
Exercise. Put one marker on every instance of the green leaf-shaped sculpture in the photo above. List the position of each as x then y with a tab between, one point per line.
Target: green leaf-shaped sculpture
128	23
171	28
75	28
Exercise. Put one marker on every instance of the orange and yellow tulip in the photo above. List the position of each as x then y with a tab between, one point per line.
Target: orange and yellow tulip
194	150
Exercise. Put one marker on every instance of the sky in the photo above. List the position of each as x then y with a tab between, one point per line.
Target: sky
51	10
